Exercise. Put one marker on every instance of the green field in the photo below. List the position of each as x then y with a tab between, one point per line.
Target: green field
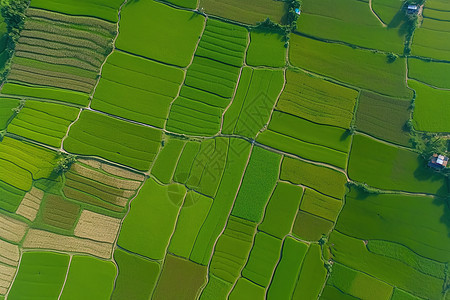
432	73
360	68
387	167
383	117
331	20
317	100
430	103
178	31
266	49
432	39
249	12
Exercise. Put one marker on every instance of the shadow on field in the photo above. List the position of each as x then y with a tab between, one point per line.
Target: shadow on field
445	219
399	21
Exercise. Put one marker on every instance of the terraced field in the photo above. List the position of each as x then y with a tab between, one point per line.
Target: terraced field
223	150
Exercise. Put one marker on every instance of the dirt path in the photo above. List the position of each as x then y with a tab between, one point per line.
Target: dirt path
375	14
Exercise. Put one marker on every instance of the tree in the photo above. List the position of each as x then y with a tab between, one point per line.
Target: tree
64	163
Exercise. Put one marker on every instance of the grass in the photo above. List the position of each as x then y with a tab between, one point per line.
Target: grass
41	274
251	108
192	216
387	217
257	186
221	206
432	73
360	68
248	12
312	275
165	164
300	137
17	89
387	167
137	276
354	254
310	227
152	217
103	9
383	117
323	179
351	22
184	165
389	12
358	284
6	111
89	278
188	276
432	39
153	86
320	205
232	250
288	269
179	31
263	259
430	103
281	210
43	122
317	100
246	289
266	49
129	144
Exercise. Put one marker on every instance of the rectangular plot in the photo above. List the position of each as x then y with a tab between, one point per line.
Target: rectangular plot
321	205
128	143
266	49
429	72
60	213
165	164
246	289
30	204
97	227
10	254
281	210
310	227
10	197
317	100
325	180
6	111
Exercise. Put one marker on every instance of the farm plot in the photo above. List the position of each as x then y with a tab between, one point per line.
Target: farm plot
255	97
89	278
12	230
189	277
323	143
6	111
358	284
266	49
178	30
257	185
386	217
10	197
30	204
21	162
383	117
56	212
349	21
432	38
102	9
390	12
361	68
152	85
137	276
281	210
151	220
430	103
43	122
192	215
201	165
245	289
432	73
249	12
317	100
230	255
210	80
354	254
288	269
216	220
387	167
129	144
60	51
97	227
7	277
325	180
167	160
312	275
98	190
41	275
310	227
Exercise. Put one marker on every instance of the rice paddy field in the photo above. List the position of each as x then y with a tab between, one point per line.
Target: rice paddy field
204	150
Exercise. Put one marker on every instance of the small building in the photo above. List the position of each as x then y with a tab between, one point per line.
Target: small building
412	9
298	11
438	162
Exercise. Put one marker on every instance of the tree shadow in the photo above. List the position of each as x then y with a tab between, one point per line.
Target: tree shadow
445	219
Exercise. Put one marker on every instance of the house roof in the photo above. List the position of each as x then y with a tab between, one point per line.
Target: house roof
412	7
